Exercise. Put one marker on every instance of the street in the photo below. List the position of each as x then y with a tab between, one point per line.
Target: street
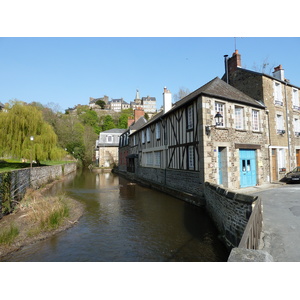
281	222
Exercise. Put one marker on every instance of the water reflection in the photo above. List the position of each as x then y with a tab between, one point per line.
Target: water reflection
124	222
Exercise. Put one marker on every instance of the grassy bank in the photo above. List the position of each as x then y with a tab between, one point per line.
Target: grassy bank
37	217
9	164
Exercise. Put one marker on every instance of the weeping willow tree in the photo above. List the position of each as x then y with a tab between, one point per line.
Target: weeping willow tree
17	125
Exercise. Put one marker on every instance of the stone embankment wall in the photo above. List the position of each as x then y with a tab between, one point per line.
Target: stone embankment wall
185	185
230	212
13	185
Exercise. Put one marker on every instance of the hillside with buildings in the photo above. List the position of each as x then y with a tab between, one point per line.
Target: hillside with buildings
112	106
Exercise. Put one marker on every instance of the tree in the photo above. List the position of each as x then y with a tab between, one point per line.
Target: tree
181	94
123	119
17	126
101	103
90	118
108	123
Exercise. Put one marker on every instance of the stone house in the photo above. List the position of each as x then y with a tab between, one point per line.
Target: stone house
282	101
107	147
216	134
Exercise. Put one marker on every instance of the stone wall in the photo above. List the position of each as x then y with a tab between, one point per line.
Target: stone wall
13	185
179	183
230	212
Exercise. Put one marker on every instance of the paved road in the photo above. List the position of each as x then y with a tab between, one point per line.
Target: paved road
281	213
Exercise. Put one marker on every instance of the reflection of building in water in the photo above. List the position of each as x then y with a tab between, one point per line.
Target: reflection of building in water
107	180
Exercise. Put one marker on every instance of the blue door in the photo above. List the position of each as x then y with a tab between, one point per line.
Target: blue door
248	167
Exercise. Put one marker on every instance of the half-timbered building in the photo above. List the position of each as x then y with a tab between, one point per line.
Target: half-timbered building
216	134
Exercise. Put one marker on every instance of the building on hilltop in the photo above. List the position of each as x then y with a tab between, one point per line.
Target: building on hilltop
107	147
282	101
215	134
148	104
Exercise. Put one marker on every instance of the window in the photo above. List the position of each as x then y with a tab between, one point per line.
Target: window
190	121
220	108
297	126
109	138
279	124
157	158
143	137
191	164
239	117
149	158
134	140
157	131
277	93
295	99
255	120
148	134
281	159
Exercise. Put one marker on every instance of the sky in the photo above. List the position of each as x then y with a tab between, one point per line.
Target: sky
68	70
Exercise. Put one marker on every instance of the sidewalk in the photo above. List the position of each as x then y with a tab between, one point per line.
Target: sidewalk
259	188
281	219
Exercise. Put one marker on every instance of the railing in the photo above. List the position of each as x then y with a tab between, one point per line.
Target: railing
251	236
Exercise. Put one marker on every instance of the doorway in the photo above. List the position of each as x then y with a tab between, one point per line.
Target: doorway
247	167
222	164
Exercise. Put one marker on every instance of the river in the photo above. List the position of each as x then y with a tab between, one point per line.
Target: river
125	222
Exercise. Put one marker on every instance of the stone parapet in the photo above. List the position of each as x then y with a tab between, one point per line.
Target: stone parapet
230	212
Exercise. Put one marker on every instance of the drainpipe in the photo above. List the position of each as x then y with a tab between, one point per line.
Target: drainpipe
287	126
269	147
226	67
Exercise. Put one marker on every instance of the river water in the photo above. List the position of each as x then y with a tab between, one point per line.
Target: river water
126	222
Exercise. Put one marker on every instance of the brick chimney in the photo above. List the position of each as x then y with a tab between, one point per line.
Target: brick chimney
138	113
234	62
278	73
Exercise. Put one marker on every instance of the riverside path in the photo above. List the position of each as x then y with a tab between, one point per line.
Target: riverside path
281	219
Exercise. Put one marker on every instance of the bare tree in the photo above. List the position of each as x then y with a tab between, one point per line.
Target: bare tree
181	94
265	67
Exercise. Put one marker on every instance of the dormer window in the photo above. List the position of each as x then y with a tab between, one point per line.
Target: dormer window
109	139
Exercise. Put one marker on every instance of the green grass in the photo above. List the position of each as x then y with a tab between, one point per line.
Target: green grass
7	236
55	218
9	164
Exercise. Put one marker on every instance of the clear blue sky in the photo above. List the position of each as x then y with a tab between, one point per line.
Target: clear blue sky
67	71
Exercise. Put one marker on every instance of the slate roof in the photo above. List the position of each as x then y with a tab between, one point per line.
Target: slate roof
220	89
148	98
114	130
263	74
1	105
138	124
215	88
